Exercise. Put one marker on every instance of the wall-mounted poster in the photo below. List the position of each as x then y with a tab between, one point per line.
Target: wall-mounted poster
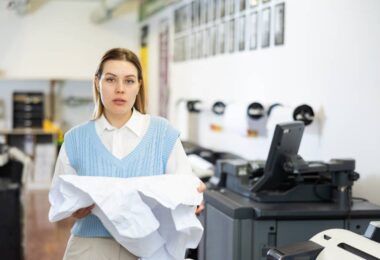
231	35
206	42
213	42
242	5
253	3
221	8
195	13
203	11
176	20
265	27
212	10
279	25
193	46
181	16
185	17
222	38
253	30
178	49
231	6
199	48
241	31
185	48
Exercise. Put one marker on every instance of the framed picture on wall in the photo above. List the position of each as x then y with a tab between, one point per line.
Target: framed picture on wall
214	9
203	11
213	42
279	24
231	6
253	3
253	23
221	8
175	52
179	49
185	16
195	13
210	10
231	35
206	42
177	20
185	47
199	48
265	27
241	31
221	38
193	46
242	5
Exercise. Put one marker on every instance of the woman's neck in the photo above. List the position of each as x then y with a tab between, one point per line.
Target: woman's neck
118	120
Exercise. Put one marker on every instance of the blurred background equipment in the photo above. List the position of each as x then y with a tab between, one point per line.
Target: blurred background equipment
28	109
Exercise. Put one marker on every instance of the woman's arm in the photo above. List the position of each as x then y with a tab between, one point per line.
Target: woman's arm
178	163
63	167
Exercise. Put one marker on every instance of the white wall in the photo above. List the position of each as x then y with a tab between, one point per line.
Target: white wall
58	40
330	60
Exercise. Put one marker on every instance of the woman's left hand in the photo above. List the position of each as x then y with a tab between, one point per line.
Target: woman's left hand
201	187
200	208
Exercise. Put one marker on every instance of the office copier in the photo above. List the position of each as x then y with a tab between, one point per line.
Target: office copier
333	244
257	205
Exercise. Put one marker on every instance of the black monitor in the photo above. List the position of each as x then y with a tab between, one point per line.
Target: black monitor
285	144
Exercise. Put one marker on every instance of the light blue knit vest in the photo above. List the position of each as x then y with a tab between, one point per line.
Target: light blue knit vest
89	157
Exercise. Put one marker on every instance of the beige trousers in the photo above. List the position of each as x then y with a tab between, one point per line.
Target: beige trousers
95	248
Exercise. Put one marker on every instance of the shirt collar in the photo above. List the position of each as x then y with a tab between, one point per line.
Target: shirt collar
135	123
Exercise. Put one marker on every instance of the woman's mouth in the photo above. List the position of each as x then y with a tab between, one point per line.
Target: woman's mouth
119	101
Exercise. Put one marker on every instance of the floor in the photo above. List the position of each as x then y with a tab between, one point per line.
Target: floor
44	240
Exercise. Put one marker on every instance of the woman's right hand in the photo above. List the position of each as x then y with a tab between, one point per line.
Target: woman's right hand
83	212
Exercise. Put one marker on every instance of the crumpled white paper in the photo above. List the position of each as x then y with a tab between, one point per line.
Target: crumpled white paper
152	217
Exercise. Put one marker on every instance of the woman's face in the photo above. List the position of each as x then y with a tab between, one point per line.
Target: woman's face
118	87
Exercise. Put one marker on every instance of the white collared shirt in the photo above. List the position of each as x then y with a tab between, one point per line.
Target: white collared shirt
121	141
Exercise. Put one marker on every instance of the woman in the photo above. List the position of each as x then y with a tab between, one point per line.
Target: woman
120	141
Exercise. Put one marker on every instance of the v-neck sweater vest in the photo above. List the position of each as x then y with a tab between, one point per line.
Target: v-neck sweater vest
89	157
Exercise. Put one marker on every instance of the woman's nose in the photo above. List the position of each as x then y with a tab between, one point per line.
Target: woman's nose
119	86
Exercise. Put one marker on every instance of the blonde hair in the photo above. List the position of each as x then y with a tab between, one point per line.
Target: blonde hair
122	55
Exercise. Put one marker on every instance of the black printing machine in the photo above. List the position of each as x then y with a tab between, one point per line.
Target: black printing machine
253	206
286	176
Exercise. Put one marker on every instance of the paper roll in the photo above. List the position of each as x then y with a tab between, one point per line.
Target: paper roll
182	120
200	166
236	118
278	115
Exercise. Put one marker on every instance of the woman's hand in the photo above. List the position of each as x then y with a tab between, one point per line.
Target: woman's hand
200	208
202	187
83	212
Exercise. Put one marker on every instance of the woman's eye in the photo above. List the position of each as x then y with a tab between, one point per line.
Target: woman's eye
130	81
110	80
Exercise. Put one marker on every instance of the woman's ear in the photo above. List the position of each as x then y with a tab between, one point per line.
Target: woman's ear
96	82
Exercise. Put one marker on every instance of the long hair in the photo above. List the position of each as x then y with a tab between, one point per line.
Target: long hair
122	55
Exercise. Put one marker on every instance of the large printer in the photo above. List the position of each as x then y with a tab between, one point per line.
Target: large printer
333	244
253	206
